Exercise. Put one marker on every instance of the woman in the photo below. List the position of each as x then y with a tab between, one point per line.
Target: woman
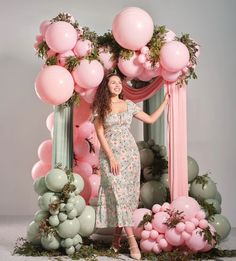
119	159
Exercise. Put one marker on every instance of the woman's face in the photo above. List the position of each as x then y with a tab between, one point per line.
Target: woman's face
115	85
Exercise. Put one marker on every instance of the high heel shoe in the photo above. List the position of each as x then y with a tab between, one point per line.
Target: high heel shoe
134	250
115	245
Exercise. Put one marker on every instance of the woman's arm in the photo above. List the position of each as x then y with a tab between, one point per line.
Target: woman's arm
115	168
155	115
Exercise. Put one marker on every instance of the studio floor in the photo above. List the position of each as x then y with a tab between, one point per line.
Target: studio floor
12	227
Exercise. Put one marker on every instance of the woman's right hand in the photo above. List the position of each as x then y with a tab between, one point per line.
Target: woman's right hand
115	166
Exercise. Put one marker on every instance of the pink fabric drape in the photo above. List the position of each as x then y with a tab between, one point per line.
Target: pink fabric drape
144	93
177	131
177	141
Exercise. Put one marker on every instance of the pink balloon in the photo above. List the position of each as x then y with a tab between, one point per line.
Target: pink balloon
91	158
94	181
131	68
62	57
148	226
142	58
154	234
82	48
144	76
146	245
163	243
203	223
144	50
212	244
61	37
170	76
50	121
44	26
89	95
54	85
137	218
40	169
195	221
85	130
180	227
80	90
200	214
188	205
45	151
145	234
81	149
196	242
88	74
156	208
173	237
107	60
156	248
165	206
86	192
185	235
158	221
169	36
189	226
174	56
83	168
132	28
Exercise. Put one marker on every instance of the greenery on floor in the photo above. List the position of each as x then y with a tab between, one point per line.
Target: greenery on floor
92	249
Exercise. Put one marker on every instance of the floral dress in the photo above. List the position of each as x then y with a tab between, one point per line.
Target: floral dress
119	195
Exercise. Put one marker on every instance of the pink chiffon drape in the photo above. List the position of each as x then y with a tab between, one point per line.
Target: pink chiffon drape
177	130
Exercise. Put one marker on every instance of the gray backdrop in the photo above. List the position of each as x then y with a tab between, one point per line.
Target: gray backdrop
211	98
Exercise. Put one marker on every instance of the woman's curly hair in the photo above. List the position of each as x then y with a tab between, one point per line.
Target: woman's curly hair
102	100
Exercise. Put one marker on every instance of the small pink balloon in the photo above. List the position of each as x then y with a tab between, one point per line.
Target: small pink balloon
39	38
106	57
174	56
144	50
61	37
142	58
156	248
44	26
160	236
88	74
89	95
195	221
163	243
170	76
196	242
54	85
85	130
185	235
94	181
130	68
145	234
200	214
91	158
82	48
154	234
132	28
40	169
81	149
144	76
148	226
158	221
165	206
169	36
138	215
188	205
156	208
62	57
173	237
146	245
50	121
50	53
45	151
147	65
189	226
180	227
203	223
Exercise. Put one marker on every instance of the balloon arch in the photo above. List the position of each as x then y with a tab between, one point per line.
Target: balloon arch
76	60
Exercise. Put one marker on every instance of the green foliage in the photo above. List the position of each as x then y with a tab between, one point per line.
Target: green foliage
42	50
51	60
71	63
176	216
203	180
146	218
208	207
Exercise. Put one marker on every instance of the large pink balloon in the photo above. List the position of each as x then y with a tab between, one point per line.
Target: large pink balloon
130	68
45	151
40	169
82	48
188	205
81	149
54	85
88	74
137	218
147	244
61	37
173	237
196	242
85	130
94	181
174	56
132	28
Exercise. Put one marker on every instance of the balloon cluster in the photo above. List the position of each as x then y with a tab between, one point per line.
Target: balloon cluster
179	224
64	217
76	59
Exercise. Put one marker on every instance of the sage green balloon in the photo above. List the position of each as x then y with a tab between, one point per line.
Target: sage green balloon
77	239
87	221
153	192
68	242
193	169
72	214
39	215
151	142
215	204
50	242
146	157
199	191
79	183
54	220
69	228
70	250
40	186
46	199
156	148
62	216
165	179
162	151
221	225
147	173
218	197
79	204
33	233
56	179
142	144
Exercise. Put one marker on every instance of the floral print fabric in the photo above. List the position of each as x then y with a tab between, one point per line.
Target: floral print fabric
119	195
